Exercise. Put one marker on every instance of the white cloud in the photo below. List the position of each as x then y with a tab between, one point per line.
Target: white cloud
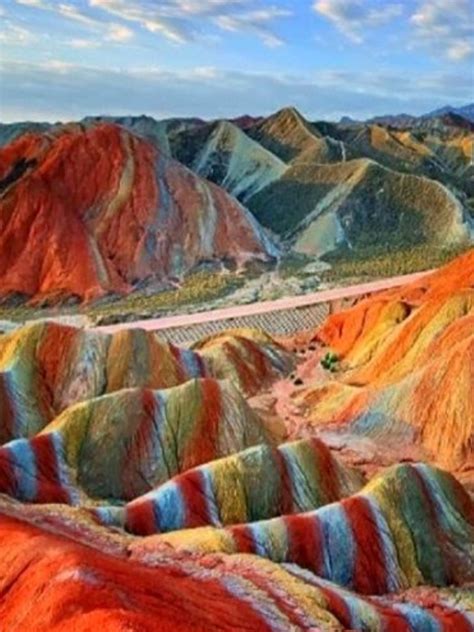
72	13
32	3
15	35
119	33
57	66
446	27
112	31
181	20
79	42
355	17
256	22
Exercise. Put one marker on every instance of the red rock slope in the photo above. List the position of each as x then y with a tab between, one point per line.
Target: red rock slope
90	210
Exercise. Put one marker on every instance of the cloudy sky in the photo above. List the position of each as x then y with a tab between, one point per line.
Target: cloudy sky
211	58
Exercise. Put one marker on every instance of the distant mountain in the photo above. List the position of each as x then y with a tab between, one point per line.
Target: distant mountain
156	131
409	120
358	203
111	203
11	131
466	111
292	138
224	154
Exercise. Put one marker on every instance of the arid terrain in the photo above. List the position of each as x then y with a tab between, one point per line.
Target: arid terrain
318	482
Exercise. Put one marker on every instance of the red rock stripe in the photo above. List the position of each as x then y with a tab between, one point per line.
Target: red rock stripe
327	471
273	590
49	488
305	541
193	492
246	375
452	620
337	605
391	620
257	358
140	518
243	539
139	448
180	373
203	444
370	572
7	474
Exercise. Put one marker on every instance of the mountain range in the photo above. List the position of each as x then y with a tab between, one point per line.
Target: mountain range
112	204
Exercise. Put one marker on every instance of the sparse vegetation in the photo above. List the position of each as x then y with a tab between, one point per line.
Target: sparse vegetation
198	288
330	362
379	261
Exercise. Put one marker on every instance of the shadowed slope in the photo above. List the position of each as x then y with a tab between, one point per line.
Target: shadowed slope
358	203
290	137
224	154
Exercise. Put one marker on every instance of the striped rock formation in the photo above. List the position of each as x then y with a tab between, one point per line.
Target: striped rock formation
91	578
261	482
411	525
142	492
250	358
407	369
47	367
91	210
123	444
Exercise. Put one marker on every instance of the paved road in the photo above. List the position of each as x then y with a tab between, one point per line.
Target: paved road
324	296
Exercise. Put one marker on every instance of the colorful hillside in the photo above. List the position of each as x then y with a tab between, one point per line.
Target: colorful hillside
406	367
100	210
148	487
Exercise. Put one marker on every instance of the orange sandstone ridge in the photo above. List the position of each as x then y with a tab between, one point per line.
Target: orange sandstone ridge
406	369
91	210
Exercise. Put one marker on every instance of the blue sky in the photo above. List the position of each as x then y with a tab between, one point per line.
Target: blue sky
210	58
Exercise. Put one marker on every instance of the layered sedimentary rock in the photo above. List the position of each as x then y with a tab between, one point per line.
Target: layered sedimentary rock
89	210
356	203
121	445
249	358
407	366
290	137
224	154
411	525
261	482
46	367
117	587
142	490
